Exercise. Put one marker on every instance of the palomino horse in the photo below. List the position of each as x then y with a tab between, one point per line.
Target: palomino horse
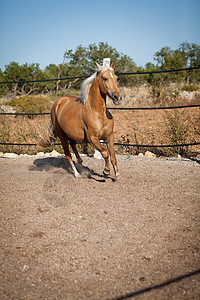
86	119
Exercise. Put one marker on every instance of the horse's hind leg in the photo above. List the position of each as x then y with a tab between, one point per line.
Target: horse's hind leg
73	145
110	145
68	156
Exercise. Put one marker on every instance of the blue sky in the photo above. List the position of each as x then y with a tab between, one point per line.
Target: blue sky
39	31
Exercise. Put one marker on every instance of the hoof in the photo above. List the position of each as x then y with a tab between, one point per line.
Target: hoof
77	175
106	172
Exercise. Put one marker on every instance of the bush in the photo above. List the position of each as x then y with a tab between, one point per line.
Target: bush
190	88
31	104
177	130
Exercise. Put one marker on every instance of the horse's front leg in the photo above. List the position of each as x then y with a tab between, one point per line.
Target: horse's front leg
96	143
110	144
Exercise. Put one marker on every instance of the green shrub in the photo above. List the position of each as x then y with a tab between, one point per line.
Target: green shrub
177	129
31	104
190	88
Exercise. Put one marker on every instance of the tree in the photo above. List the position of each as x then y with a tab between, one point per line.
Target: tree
187	55
82	61
168	59
15	72
190	53
3	89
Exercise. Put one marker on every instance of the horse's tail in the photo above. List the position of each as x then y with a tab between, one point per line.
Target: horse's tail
49	138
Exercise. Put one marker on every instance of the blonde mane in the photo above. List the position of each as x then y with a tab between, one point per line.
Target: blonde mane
85	87
87	83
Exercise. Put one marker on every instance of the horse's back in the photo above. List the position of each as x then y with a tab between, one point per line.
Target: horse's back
60	103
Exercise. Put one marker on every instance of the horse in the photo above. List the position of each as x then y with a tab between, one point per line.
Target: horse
86	118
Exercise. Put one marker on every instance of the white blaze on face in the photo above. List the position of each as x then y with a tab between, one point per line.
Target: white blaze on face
111	74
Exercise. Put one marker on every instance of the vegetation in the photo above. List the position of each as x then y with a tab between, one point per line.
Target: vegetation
82	62
31	104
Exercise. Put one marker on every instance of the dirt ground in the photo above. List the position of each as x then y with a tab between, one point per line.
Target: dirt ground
96	238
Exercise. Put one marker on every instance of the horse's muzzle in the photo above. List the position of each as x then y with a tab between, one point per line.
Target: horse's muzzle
116	98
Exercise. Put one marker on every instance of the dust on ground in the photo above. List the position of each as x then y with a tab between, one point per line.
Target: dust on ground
96	238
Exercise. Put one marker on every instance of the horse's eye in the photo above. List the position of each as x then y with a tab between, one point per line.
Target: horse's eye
104	78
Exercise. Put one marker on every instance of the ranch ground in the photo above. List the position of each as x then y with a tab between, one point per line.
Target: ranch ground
96	238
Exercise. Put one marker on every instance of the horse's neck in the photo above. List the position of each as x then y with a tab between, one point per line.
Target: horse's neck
97	99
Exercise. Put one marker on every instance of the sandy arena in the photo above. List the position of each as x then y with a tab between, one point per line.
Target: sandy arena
96	238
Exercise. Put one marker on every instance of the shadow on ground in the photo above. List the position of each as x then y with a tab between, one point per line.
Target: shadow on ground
50	163
53	163
158	286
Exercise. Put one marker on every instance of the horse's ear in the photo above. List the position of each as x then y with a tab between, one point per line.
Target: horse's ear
99	67
113	65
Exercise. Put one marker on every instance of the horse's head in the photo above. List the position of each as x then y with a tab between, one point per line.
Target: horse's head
108	82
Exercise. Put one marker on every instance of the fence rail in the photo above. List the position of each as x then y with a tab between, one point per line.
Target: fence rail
110	108
116	144
85	76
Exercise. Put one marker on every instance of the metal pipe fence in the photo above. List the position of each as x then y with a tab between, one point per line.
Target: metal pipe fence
85	76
